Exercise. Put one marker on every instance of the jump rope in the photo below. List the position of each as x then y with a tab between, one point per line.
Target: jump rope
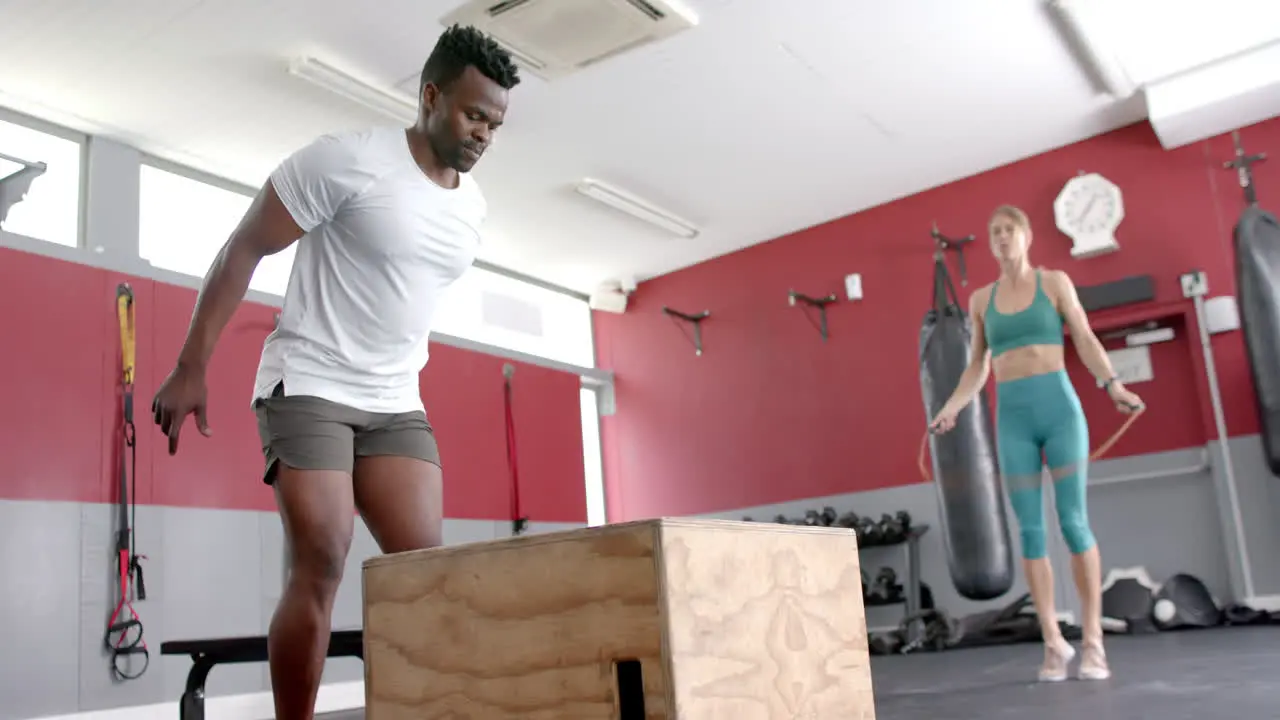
1102	449
942	283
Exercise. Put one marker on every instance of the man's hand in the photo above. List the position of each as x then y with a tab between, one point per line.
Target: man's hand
181	394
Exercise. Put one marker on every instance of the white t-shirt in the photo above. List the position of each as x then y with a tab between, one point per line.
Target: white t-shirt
382	243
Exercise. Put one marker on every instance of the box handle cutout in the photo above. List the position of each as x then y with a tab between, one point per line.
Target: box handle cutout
630	680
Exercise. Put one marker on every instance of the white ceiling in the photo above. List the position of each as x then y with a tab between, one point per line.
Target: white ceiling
769	117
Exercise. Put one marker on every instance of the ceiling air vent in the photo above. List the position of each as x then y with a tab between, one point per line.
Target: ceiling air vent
553	38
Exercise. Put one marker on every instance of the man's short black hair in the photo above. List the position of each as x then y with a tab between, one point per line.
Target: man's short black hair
459	47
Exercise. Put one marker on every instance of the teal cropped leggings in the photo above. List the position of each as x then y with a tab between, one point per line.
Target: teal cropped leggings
1039	422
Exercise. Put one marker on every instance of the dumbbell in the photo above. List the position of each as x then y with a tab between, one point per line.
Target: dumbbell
829	516
855	524
848	520
904	518
891	529
887	585
882	587
869	532
885	643
811	517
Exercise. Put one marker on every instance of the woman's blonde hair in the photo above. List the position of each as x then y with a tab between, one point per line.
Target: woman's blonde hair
1015	214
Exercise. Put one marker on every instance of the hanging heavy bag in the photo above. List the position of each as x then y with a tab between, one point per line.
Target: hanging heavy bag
965	471
1257	240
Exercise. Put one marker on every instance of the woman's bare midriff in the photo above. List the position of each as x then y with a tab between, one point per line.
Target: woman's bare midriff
1027	361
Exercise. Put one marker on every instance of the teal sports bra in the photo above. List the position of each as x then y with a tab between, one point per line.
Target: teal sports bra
1038	324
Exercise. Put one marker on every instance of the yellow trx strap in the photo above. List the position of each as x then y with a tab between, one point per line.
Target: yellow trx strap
124	628
128	342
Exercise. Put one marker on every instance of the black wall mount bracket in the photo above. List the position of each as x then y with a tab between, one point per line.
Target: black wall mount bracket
695	321
15	186
821	303
945	297
945	244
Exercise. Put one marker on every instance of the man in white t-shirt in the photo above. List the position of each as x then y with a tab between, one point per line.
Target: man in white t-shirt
388	218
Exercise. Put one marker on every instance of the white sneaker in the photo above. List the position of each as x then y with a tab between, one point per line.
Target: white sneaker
1056	659
1093	663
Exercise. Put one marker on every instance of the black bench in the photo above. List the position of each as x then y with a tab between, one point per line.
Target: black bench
205	654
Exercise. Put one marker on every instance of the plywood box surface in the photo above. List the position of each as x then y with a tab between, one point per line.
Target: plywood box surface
690	619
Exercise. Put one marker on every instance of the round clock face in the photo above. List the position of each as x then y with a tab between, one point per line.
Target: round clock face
1088	208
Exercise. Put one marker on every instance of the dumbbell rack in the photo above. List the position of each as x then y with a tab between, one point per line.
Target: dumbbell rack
911	588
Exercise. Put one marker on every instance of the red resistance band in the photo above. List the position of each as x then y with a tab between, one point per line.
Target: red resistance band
519	523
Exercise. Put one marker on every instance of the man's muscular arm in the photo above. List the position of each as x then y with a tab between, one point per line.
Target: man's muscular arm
266	229
308	188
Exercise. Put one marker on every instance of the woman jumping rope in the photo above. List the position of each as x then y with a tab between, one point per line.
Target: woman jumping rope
1017	334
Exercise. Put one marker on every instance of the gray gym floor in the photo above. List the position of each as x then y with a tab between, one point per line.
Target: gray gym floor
1172	676
1189	674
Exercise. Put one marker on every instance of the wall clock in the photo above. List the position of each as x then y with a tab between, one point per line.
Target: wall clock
1088	210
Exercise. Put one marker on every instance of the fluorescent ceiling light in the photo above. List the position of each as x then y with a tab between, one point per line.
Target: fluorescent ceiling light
397	106
635	207
1085	22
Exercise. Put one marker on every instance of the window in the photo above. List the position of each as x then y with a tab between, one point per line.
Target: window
492	308
183	223
51	209
591	459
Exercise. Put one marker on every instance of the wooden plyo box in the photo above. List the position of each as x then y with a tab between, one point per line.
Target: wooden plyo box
666	619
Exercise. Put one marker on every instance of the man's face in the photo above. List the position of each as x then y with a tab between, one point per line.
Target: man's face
461	121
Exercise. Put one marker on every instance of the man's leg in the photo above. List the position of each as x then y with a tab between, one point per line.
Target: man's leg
318	511
309	447
399	483
400	500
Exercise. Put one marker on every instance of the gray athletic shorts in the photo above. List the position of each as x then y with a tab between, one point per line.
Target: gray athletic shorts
310	433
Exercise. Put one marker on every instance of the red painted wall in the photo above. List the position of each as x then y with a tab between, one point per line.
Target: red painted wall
770	412
61	423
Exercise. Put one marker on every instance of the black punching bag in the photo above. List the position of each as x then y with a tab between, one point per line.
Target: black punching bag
965	470
1257	238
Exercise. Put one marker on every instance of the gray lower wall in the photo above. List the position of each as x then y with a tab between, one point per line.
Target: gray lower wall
218	573
1259	492
209	573
1166	519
